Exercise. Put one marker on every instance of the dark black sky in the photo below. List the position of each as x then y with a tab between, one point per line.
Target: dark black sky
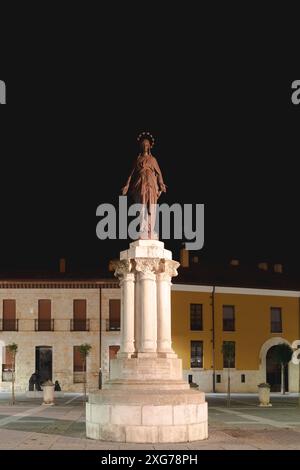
227	136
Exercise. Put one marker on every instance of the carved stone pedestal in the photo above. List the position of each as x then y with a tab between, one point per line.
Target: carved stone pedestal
146	399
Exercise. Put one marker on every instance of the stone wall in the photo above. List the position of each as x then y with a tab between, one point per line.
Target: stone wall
61	339
204	378
108	338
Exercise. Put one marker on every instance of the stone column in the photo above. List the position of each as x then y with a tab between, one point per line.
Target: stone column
167	270
127	280
146	280
137	319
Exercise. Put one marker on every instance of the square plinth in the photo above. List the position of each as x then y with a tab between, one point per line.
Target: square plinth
146	249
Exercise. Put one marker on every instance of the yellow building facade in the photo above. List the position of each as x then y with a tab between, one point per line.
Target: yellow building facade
252	332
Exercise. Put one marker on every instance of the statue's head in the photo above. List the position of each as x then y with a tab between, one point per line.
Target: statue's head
146	141
146	146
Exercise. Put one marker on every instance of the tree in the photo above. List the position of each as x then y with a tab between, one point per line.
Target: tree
228	351
283	354
13	349
84	350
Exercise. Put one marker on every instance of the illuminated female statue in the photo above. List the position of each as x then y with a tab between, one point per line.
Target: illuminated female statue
146	184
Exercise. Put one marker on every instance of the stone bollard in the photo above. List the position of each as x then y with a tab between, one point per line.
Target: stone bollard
264	394
48	393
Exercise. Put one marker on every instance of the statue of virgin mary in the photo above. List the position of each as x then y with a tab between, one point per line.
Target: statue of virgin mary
145	184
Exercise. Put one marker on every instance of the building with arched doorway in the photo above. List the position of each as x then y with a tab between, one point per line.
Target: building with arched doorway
270	369
254	307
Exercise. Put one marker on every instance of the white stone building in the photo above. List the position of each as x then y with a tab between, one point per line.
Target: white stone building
49	319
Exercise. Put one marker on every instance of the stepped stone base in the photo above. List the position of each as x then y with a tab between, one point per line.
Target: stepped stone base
145	416
134	385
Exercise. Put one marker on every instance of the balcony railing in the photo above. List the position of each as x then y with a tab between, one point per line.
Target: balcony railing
112	325
9	325
44	325
80	325
196	363
276	327
57	324
7	375
228	324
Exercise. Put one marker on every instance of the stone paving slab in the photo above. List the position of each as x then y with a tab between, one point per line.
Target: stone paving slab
244	426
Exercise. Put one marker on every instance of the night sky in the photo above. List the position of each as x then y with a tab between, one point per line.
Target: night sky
227	136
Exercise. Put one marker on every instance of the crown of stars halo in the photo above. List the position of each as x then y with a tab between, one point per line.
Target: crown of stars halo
146	135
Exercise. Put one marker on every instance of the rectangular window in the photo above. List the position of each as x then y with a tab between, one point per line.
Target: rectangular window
196	321
228	318
197	354
218	378
7	366
9	315
114	315
44	315
276	320
79	365
243	378
228	354
79	315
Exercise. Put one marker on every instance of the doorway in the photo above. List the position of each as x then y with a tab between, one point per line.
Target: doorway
113	350
43	362
274	371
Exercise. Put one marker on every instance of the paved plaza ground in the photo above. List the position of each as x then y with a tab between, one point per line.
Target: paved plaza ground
31	425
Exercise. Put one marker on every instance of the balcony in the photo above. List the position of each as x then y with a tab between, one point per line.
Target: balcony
57	324
44	325
228	324
196	363
9	325
7	375
276	327
112	325
80	325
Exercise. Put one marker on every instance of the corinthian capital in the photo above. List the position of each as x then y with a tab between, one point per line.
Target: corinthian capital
169	267
147	265
122	268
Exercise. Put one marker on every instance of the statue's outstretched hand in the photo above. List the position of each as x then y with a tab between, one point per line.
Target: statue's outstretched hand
163	188
124	190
